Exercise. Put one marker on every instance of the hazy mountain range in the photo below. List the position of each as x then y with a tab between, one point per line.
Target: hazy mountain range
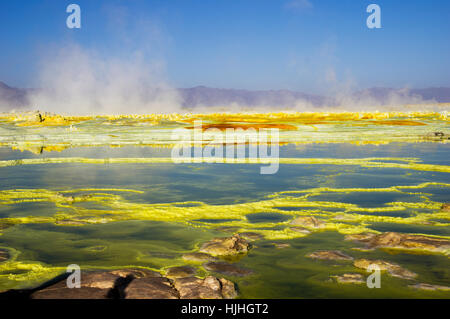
14	97
17	98
206	96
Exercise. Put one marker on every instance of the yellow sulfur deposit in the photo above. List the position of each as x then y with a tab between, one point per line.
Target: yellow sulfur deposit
348	219
42	132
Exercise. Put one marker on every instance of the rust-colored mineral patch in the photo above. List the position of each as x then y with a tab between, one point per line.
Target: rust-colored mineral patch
224	126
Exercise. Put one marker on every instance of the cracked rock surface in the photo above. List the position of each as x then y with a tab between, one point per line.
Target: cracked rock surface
139	284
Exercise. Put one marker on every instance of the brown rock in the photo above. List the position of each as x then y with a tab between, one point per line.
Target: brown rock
422	286
135	273
151	288
228	289
208	288
308	222
198	257
329	255
196	288
446	207
102	280
74	293
180	272
94	285
407	241
227	269
140	284
226	246
393	269
349	279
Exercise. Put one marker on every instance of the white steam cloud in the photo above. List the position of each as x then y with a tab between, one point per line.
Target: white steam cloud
124	74
78	81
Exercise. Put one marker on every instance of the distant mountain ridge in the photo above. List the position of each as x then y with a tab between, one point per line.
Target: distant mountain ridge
438	94
202	96
14	97
206	96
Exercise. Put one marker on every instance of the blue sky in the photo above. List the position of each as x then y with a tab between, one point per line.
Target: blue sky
305	45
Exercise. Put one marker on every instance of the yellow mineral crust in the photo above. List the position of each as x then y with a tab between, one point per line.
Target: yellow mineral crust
375	118
345	218
40	132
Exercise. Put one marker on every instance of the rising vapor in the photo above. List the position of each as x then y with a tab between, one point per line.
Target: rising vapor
78	81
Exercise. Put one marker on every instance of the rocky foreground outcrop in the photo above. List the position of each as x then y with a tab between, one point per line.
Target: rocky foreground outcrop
172	283
207	288
141	284
151	288
226	246
392	269
403	241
